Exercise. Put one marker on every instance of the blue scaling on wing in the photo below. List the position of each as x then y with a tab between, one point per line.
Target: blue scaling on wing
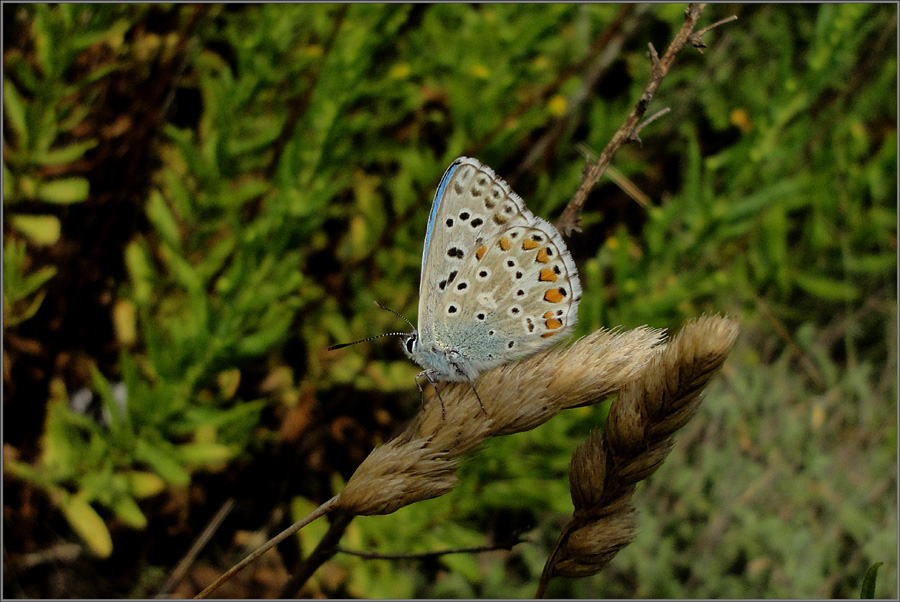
438	196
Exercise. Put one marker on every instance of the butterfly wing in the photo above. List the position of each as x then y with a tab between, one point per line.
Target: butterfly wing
497	282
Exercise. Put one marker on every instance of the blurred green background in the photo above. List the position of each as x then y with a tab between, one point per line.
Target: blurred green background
200	199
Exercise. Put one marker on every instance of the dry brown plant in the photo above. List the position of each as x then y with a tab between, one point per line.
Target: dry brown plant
421	462
659	388
638	436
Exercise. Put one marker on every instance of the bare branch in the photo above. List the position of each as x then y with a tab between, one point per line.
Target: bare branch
716	24
568	221
654	57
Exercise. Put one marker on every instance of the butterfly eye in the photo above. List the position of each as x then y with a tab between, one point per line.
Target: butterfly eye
410	343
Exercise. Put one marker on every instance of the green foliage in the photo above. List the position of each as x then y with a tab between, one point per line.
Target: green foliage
44	106
800	208
22	294
297	193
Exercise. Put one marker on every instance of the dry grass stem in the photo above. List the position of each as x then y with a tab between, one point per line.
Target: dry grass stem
420	463
638	436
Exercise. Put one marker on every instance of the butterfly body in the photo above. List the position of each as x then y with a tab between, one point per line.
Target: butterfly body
497	283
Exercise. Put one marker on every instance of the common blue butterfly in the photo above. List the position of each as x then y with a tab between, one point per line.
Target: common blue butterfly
497	282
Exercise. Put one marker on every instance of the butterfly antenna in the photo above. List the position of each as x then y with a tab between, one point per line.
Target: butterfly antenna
378	336
380	306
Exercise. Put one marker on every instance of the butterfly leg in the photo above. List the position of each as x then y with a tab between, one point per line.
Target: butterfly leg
477	396
427	375
421	390
470	376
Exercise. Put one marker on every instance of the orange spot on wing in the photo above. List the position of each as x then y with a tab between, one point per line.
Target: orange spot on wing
505	244
547	275
553	323
480	252
529	244
548	314
548	334
553	295
542	256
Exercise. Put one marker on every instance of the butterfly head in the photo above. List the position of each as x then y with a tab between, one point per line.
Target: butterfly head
410	342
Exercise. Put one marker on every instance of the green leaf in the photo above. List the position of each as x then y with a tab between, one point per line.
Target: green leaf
63	191
872	264
163	462
15	112
40	229
159	213
26	472
9	186
204	454
127	509
867	592
60	443
247	190
117	409
181	269
18	315
144	484
87	523
65	154
17	286
141	271
826	288
35	280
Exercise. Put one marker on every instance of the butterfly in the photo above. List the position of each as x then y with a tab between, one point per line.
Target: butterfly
497	282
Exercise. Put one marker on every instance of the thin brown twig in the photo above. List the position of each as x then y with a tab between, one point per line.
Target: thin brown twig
436	554
619	179
181	568
700	33
654	56
326	549
318	512
648	121
568	221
